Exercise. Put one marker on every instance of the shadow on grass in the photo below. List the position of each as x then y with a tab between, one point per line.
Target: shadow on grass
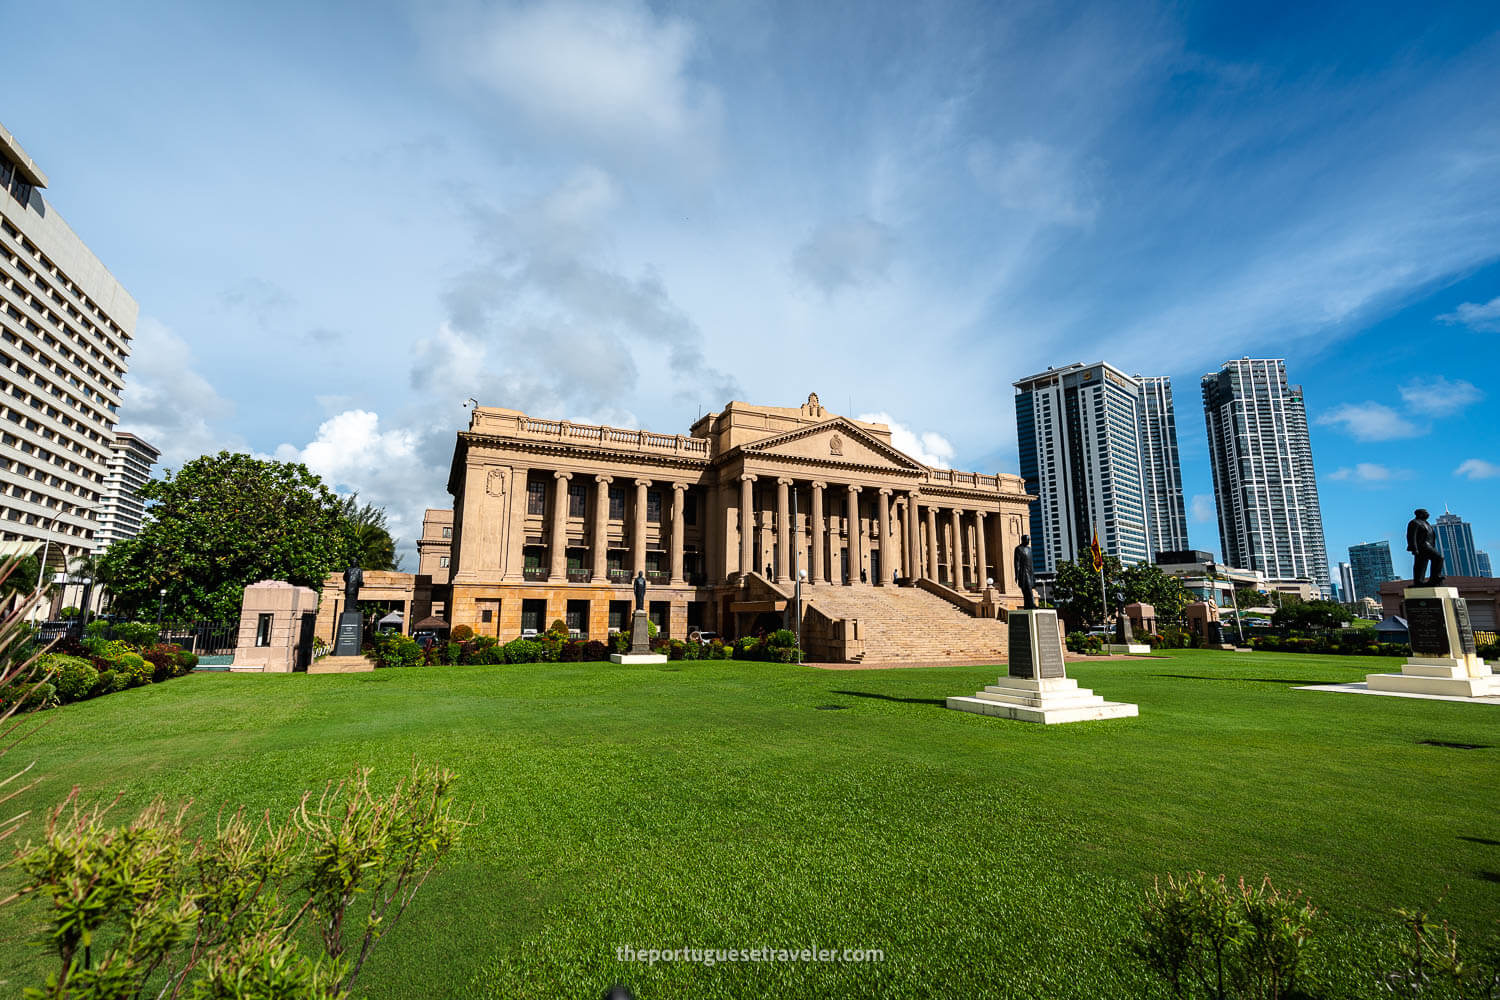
1489	876
1487	842
1250	680
939	702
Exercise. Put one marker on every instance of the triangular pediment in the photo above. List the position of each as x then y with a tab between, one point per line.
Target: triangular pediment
835	442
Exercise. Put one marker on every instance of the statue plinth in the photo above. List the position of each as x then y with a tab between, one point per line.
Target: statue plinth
640	642
1444	660
1037	688
348	640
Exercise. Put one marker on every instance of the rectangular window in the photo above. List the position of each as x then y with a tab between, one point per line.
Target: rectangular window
486	616
532	613
653	506
576	500
616	503
447	532
533	560
578	617
689	507
263	630
619	615
536	498
443	561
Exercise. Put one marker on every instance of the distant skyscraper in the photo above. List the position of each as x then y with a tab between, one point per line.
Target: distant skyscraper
1099	449
1371	567
66	325
1455	540
120	512
1166	517
1349	594
1267	495
1484	564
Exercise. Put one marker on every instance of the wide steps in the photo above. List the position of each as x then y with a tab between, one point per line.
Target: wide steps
905	623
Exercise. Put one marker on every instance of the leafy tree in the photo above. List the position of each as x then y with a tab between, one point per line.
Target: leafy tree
1304	616
373	543
1076	591
220	523
1146	583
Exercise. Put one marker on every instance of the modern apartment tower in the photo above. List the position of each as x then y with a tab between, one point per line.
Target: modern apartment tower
1099	450
1455	540
1264	485
1371	564
1349	593
120	512
65	331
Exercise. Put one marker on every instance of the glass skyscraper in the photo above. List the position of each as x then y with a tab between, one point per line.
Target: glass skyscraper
1267	495
1371	566
1455	540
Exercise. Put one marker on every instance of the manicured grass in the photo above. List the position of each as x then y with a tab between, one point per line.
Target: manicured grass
723	804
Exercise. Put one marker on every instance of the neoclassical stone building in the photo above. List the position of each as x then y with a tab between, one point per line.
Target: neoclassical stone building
553	519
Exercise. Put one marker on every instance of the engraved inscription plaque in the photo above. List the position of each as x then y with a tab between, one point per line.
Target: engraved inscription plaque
1026	661
1465	629
1428	629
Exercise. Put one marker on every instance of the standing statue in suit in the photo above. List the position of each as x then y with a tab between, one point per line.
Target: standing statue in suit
354	578
1421	542
1025	573
640	591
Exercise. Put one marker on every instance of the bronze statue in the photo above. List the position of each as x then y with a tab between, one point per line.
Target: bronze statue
354	578
640	591
1421	542
1025	573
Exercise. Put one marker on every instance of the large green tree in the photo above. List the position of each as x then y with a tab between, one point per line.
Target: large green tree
373	543
1146	583
1076	591
221	522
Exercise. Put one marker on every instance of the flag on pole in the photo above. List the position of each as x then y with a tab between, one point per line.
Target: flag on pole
1097	554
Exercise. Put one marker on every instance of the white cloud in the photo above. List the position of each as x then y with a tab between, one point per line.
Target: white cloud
845	253
1370	422
1369	473
1204	510
168	403
1477	468
1477	316
613	75
1034	178
927	447
1438	397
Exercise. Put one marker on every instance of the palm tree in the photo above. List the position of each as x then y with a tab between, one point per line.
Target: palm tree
373	545
84	568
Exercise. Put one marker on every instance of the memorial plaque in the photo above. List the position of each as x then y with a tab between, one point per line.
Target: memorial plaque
347	641
1427	626
1026	661
1465	629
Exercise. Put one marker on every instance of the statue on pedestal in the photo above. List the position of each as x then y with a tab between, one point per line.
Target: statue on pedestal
1025	573
1421	542
354	578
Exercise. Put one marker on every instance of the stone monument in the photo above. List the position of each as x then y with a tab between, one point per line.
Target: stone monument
640	630
1036	687
1443	658
348	639
1125	638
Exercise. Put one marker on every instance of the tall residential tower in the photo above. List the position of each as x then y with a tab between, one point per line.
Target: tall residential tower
120	512
1267	495
65	330
1455	540
1371	564
1099	450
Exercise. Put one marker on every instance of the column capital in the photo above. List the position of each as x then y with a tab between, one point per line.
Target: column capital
855	489
562	475
980	514
748	477
886	491
818	484
644	482
680	486
784	480
604	480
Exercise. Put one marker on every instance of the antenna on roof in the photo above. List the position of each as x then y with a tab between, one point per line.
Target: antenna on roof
471	401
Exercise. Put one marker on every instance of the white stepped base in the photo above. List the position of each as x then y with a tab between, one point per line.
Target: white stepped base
1461	687
1128	648
629	658
1049	701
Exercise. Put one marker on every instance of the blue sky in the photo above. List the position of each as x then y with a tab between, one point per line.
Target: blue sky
341	221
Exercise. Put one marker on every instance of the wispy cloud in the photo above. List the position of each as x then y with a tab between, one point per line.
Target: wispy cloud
1370	422
1477	468
1369	474
845	253
1482	316
1204	511
927	447
169	402
1438	396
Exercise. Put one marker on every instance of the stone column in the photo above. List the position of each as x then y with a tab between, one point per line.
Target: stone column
856	557
956	556
886	562
932	544
816	571
638	540
979	549
913	565
601	528
747	523
783	528
558	570
679	495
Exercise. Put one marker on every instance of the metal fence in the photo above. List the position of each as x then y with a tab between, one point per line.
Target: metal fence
206	638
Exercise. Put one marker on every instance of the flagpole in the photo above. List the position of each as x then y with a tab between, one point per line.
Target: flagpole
1103	601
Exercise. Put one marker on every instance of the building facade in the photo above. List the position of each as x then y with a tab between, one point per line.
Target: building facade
1484	564
1079	430
65	331
1264	484
1455	540
552	520
1348	592
122	508
1206	579
1370	567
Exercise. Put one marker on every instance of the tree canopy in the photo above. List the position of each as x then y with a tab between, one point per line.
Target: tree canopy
1076	591
220	523
1302	616
373	543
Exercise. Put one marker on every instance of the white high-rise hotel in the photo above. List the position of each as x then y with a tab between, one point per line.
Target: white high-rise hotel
1269	517
65	331
1098	448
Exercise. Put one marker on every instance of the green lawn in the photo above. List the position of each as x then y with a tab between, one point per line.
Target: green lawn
723	804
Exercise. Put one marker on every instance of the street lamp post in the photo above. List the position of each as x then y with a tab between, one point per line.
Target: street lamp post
161	598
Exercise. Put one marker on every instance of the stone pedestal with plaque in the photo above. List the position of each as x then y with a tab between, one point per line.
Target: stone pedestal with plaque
640	643
1036	687
1443	659
349	639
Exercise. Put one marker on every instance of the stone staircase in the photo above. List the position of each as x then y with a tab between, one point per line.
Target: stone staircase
905	623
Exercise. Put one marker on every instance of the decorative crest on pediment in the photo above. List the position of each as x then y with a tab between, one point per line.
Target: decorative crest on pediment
842	440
